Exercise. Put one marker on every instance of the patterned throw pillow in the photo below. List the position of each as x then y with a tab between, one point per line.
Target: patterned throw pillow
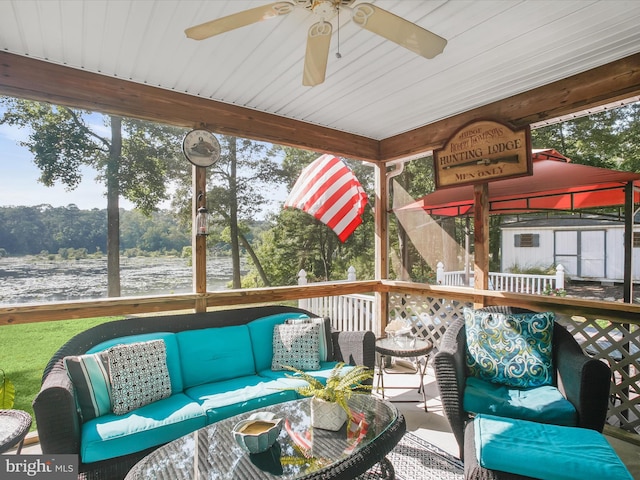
510	349
139	375
325	342
296	346
90	377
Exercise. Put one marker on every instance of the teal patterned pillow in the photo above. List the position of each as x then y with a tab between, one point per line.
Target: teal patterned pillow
296	346
139	375
510	349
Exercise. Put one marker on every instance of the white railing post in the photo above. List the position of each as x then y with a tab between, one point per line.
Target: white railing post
560	277
351	274
302	280
440	273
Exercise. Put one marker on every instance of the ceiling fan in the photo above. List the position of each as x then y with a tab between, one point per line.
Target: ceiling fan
365	15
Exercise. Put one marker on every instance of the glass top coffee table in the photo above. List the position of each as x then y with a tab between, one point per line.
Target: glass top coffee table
212	452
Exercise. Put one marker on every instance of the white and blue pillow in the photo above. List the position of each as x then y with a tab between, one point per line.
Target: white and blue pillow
510	349
119	379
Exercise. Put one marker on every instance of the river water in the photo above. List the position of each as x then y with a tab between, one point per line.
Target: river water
38	280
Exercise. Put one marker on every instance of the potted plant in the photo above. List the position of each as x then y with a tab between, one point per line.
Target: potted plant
329	408
7	392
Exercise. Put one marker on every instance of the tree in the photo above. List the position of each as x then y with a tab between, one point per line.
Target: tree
607	139
134	161
237	189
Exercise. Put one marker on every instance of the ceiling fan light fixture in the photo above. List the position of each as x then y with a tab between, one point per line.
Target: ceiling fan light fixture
325	8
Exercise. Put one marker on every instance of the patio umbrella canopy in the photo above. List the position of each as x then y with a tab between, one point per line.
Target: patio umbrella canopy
556	184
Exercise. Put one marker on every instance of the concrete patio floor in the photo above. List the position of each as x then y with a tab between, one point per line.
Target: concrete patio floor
432	426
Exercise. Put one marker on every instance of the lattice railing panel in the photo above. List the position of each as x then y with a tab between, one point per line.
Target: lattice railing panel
430	317
618	345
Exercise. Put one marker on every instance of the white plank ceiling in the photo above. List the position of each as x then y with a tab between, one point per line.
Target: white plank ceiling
496	48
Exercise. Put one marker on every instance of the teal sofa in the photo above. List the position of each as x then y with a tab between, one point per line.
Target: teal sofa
219	364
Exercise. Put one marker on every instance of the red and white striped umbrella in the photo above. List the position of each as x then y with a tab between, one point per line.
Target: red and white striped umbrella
328	190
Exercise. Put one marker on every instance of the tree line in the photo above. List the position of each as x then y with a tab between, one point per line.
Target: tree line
32	230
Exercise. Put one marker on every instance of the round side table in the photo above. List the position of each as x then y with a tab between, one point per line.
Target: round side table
389	347
14	426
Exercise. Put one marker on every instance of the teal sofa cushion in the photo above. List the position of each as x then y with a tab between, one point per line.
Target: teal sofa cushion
230	397
541	404
545	451
510	349
154	424
215	354
261	332
322	374
173	355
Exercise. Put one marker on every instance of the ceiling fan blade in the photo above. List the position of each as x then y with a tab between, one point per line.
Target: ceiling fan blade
398	30
315	59
237	20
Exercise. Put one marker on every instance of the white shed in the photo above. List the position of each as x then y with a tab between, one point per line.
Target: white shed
588	248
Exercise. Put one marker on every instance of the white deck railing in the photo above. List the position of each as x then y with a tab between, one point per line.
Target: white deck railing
347	312
506	282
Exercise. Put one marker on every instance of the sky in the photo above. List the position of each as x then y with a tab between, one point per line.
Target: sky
19	179
19	185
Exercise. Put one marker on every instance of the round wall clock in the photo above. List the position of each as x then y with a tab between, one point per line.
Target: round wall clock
201	148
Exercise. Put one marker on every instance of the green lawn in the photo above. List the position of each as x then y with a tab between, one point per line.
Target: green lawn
25	350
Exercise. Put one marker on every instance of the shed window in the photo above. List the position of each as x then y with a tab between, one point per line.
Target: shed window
527	240
636	239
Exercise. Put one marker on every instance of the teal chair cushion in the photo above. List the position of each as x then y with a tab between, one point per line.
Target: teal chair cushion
215	354
545	451
154	424
541	404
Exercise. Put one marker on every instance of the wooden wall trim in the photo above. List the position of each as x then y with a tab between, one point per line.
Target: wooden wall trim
33	79
615	81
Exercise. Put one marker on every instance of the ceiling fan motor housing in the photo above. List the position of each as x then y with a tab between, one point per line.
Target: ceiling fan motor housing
325	8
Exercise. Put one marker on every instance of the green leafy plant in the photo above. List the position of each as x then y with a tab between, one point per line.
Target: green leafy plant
554	292
339	386
7	392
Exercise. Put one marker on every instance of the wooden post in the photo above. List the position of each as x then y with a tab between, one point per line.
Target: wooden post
199	242
481	240
628	243
381	244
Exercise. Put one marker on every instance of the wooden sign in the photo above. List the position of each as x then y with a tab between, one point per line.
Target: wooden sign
483	151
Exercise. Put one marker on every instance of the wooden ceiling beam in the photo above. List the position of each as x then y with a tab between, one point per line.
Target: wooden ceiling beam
43	81
31	79
615	81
